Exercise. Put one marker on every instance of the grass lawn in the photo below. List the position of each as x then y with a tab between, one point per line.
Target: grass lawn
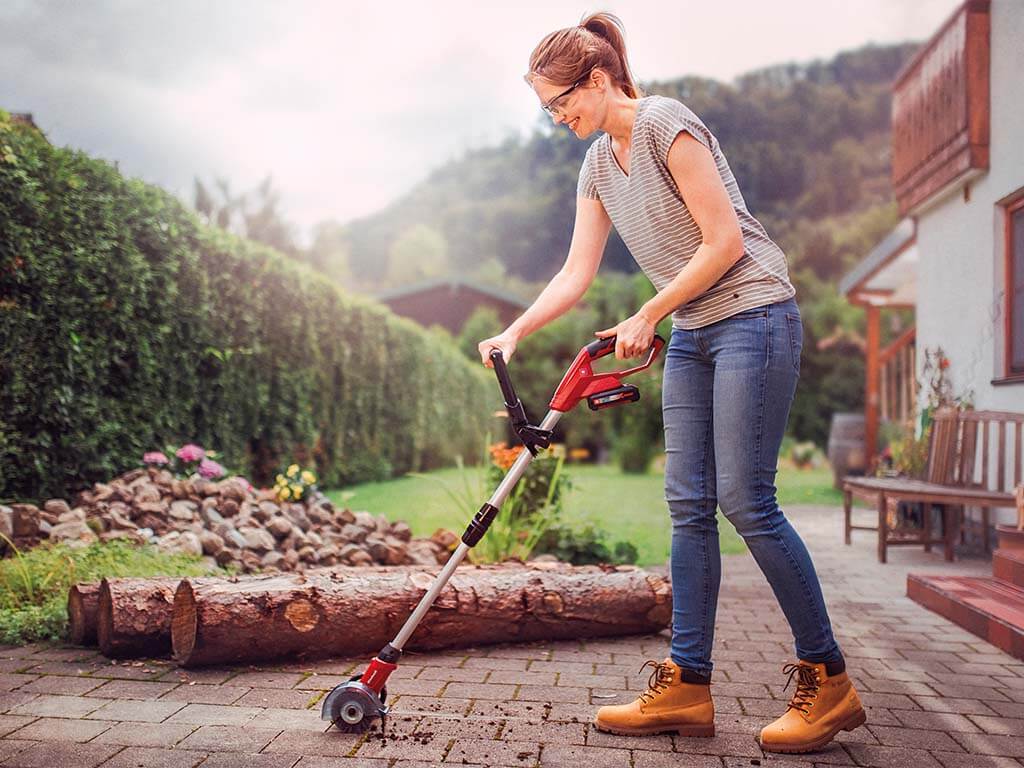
628	507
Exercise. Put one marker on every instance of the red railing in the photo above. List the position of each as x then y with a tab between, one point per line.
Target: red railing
940	108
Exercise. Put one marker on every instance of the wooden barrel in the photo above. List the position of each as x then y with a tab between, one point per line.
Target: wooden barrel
846	446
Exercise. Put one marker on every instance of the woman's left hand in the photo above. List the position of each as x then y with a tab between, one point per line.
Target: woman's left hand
634	336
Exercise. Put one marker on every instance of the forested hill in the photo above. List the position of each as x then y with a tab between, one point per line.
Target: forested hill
808	143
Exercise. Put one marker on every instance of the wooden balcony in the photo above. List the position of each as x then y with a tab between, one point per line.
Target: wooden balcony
940	109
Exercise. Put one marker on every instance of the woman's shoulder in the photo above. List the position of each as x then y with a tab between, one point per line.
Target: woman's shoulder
657	106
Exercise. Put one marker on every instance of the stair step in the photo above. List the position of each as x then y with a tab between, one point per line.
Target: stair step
1008	565
990	608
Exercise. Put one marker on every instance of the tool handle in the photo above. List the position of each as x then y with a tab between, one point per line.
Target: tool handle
602	347
504	381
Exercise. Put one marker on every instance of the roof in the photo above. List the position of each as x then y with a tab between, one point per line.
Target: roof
890	267
452	283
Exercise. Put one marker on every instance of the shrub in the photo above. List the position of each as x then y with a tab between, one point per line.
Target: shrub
126	323
584	544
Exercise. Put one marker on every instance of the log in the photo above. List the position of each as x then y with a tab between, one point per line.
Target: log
83	606
134	617
353	611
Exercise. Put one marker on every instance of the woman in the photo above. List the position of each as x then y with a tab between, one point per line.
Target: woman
731	367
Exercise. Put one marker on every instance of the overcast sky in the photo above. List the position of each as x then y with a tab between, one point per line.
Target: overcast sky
349	104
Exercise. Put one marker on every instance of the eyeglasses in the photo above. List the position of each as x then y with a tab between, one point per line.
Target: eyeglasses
557	111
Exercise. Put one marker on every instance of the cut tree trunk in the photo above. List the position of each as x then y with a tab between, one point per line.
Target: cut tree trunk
352	611
134	617
83	607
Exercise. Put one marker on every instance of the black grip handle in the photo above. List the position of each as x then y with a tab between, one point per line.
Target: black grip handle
601	346
501	370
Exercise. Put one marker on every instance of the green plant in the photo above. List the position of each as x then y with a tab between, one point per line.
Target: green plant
525	515
34	584
584	544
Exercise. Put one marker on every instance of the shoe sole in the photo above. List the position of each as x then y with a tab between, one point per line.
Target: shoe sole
680	730
855	720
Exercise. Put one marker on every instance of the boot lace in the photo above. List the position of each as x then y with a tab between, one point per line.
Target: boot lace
659	680
807	685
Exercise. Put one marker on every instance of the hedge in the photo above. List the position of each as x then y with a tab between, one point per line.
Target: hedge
127	324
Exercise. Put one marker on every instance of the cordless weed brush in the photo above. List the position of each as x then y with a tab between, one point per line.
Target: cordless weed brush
353	706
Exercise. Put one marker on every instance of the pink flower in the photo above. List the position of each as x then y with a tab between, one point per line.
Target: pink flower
210	469
191	452
154	457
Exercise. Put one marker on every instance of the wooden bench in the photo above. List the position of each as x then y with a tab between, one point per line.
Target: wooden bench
958	473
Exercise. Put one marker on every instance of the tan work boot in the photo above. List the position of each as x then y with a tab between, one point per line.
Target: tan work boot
669	704
822	706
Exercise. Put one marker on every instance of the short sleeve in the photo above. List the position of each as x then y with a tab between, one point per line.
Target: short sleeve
586	186
667	118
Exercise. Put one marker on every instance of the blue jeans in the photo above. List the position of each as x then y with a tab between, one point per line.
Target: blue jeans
727	392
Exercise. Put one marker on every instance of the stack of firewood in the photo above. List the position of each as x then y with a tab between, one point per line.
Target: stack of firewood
354	611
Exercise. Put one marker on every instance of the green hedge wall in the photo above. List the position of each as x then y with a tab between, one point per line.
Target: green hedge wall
126	324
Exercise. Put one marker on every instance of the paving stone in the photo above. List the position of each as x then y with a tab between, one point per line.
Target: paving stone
267	679
65	755
991	744
656	742
11	680
235	760
544	732
592	757
1007	726
11	747
477	691
645	759
959	706
350	762
213	714
229	738
407	703
493	753
57	706
205	676
329	744
60	684
521	710
205	694
132	689
891	757
964	760
553	693
271	697
455	674
128	710
518	677
295	719
153	735
59	729
487	662
936	721
152	757
914	738
10	723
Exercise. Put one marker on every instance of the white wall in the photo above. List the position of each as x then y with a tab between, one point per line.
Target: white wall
959	303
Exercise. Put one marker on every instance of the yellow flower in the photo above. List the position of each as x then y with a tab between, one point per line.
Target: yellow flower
296	489
308	477
285	493
293	470
281	480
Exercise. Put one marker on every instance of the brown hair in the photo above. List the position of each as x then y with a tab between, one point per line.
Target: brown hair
568	54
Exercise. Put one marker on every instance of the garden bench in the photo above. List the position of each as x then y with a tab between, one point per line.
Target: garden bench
958	473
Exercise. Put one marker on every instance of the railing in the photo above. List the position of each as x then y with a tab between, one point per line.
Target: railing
897	386
940	108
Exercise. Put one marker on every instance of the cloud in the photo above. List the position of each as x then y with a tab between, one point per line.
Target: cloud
349	104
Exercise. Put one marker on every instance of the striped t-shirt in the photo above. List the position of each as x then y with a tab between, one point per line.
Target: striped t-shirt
657	227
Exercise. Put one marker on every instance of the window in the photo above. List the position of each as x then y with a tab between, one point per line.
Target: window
1015	288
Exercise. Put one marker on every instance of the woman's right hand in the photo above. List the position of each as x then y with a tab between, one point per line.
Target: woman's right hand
506	342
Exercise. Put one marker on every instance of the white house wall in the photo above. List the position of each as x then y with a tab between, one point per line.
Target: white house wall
960	304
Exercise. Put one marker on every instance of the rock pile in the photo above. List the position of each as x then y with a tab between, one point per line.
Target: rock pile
225	520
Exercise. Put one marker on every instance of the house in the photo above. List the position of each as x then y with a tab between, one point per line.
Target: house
449	302
957	256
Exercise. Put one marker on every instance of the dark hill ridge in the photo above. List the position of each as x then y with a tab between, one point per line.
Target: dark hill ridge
808	143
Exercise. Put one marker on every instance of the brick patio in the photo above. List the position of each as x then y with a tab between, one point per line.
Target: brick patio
938	697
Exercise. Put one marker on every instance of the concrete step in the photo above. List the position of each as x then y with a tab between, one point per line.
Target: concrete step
991	608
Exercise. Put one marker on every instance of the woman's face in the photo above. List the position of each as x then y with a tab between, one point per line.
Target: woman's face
578	109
